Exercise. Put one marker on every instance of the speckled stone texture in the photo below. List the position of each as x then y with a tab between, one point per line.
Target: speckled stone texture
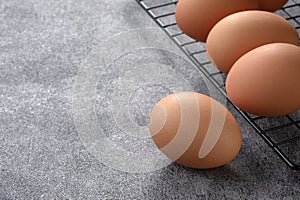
64	63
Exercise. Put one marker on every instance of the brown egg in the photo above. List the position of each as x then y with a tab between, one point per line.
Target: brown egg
271	5
195	130
241	32
266	80
197	17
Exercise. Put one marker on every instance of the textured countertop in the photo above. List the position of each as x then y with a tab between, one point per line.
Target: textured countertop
77	81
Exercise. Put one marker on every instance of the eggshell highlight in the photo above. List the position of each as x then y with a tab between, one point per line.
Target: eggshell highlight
195	130
266	80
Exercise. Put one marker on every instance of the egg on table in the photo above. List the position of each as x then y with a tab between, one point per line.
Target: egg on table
197	17
266	80
195	130
241	32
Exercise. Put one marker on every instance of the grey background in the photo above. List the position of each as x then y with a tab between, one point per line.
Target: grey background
44	45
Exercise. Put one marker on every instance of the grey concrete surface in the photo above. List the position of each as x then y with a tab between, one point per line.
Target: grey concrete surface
77	81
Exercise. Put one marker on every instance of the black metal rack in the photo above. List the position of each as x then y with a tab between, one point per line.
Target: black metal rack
282	134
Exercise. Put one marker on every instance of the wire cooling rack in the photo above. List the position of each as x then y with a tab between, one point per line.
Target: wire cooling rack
282	134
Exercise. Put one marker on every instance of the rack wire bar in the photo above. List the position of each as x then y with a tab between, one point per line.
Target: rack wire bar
282	133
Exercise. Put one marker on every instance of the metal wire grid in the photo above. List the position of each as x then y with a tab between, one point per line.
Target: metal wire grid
282	134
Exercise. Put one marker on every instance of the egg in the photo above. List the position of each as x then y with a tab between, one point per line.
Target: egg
197	17
266	80
271	5
195	130
241	32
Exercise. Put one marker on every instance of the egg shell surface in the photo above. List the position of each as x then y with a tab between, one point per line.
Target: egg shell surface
241	32
271	5
195	130
266	80
197	17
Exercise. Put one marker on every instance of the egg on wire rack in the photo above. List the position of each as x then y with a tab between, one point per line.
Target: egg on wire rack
241	32
197	17
266	80
195	130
